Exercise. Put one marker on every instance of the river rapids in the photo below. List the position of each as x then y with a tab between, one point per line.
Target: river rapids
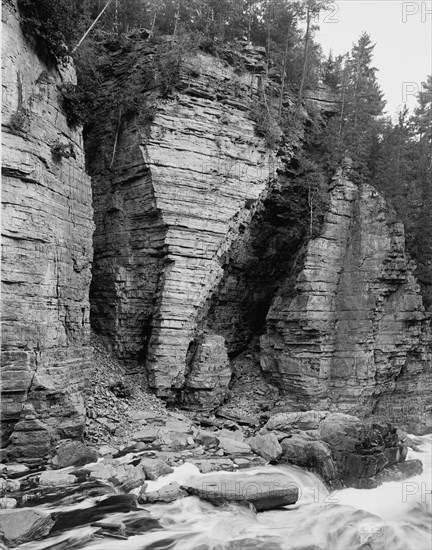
394	516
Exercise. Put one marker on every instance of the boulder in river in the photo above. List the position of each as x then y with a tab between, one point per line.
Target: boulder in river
126	476
155	468
167	493
343	449
263	491
24	525
267	446
51	478
73	453
342	432
303	451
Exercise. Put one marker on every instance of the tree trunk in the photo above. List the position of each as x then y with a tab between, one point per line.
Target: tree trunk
305	54
283	78
153	24
177	16
268	34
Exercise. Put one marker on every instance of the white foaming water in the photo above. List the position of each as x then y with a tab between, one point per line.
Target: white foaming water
403	496
395	516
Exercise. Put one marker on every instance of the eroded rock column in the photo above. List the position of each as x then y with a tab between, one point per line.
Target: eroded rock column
178	192
352	334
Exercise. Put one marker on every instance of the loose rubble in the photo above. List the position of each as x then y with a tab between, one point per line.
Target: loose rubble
149	440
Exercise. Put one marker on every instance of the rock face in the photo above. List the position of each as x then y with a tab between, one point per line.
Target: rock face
352	334
47	250
171	202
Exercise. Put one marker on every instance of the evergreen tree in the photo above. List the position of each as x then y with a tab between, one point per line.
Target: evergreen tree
403	171
310	9
361	105
332	69
422	126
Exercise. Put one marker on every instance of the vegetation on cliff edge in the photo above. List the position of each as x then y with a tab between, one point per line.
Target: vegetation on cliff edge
396	157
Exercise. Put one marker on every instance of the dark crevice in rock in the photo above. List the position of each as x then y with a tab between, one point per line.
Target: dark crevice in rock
268	251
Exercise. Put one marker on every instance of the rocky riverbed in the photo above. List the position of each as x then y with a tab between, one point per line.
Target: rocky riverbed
132	439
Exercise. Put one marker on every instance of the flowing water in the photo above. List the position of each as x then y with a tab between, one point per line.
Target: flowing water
394	516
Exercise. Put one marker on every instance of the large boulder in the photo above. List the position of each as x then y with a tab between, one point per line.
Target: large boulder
7	503
266	446
341	448
232	447
360	450
73	453
290	421
342	432
51	478
213	464
24	525
154	468
126	476
167	493
263	491
209	373
207	439
303	451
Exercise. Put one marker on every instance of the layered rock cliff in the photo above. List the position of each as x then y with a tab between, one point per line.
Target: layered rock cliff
176	195
200	249
350	333
47	252
203	259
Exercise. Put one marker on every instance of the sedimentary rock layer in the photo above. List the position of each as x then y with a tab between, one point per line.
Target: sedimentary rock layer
177	195
47	250
353	335
198	234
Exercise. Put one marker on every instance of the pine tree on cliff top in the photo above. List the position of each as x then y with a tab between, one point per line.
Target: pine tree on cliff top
363	104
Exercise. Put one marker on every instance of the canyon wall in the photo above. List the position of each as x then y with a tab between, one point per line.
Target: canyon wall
47	231
202	255
201	252
351	333
170	199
